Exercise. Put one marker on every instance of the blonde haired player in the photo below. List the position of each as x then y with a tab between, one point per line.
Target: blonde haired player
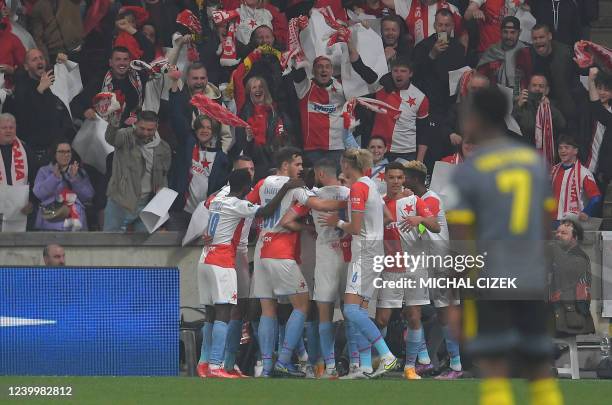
366	216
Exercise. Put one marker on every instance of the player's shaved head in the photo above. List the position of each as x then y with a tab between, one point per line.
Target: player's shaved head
484	115
239	181
326	166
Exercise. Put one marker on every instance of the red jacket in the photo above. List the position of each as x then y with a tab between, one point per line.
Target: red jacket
12	52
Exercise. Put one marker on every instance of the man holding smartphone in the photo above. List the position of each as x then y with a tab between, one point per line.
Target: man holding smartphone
530	102
434	57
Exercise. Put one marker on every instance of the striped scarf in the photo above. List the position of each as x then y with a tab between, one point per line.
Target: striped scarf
544	141
107	86
573	187
19	165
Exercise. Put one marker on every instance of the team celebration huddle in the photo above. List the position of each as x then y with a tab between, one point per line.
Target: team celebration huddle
316	248
320	236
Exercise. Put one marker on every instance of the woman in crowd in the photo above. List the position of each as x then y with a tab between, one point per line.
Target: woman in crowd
209	165
62	183
267	131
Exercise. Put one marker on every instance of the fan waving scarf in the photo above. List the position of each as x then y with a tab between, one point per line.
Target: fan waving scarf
588	52
215	110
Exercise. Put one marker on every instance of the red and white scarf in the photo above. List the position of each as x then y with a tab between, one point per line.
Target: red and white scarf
570	197
544	141
107	86
19	166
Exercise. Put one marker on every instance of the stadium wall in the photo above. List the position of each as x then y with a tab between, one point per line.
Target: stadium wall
163	249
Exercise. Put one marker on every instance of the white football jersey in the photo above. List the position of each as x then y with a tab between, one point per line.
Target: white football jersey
225	223
364	197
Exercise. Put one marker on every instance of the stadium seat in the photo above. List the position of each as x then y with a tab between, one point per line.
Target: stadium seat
574	367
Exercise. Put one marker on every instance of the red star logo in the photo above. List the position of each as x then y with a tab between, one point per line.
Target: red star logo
408	208
205	163
302	284
381	176
253	24
234	296
411	101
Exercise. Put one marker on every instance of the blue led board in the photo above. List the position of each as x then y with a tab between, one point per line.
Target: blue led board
89	321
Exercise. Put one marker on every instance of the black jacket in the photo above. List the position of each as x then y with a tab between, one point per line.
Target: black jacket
41	118
431	76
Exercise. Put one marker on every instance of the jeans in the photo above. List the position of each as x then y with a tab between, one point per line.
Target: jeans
117	218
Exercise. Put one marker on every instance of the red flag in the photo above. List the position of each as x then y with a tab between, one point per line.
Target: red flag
215	110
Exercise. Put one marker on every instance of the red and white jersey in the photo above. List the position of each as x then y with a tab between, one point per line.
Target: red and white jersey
225	224
201	166
365	198
598	135
436	207
395	239
377	174
572	185
246	228
278	242
420	18
321	114
400	133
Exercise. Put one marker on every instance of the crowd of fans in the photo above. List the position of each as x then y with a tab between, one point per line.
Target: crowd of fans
242	55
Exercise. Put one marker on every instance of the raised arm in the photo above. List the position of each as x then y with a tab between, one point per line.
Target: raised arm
268	209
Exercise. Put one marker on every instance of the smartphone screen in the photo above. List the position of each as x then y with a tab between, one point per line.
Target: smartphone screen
443	36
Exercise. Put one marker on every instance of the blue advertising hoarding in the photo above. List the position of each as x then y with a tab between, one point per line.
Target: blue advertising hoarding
89	321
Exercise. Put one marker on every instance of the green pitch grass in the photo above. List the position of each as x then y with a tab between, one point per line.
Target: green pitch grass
183	390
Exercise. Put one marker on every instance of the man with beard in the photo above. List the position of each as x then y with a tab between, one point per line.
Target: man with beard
41	116
405	135
183	114
528	106
321	100
140	169
571	281
434	58
393	31
127	84
507	63
555	61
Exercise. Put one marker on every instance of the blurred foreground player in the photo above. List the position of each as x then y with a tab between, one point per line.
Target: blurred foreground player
501	199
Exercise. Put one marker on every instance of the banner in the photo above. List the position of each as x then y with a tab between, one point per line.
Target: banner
89	321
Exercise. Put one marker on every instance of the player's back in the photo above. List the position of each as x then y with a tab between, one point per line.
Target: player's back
225	224
266	190
244	237
436	206
504	192
504	187
326	233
